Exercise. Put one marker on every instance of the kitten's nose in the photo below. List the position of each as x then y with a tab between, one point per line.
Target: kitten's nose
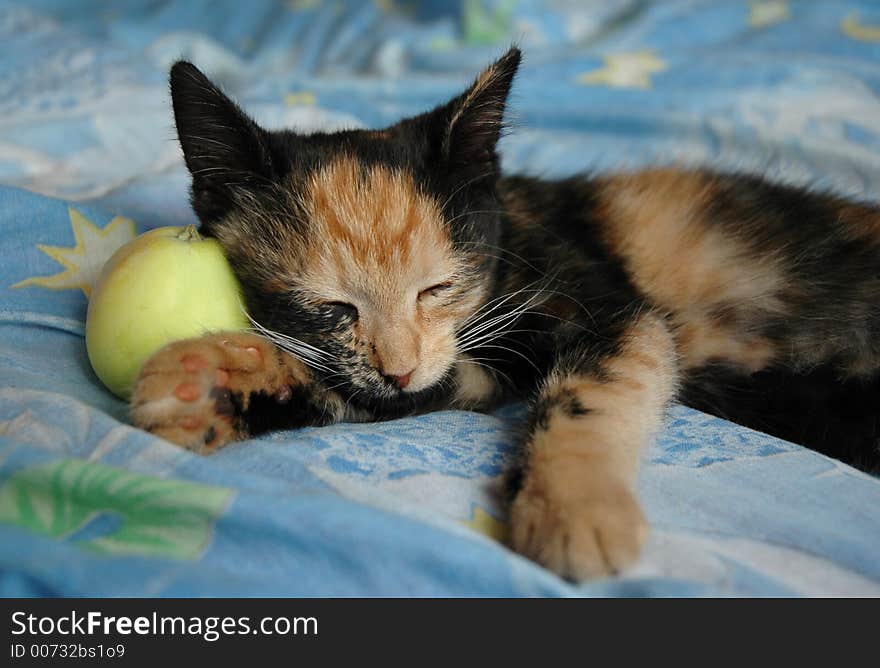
402	381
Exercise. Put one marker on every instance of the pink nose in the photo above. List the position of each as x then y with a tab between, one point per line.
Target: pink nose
402	381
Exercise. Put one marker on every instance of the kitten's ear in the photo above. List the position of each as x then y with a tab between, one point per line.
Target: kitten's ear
222	146
474	120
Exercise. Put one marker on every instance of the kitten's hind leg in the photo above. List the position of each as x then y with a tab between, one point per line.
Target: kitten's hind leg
577	512
199	393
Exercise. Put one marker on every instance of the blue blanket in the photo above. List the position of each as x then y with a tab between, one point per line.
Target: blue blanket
92	506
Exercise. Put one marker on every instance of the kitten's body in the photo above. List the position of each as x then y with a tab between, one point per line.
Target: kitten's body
396	271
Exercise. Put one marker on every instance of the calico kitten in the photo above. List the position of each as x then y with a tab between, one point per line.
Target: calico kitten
394	271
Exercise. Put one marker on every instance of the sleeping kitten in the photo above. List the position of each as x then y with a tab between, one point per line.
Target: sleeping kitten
394	271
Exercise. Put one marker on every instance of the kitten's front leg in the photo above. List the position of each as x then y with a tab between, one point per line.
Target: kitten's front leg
203	393
577	511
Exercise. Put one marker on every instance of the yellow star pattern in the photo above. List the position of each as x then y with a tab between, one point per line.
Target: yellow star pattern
302	98
768	12
864	33
83	262
625	70
486	524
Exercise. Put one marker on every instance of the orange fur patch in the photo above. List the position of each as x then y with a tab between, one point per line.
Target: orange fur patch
656	221
701	341
369	227
624	409
376	241
859	222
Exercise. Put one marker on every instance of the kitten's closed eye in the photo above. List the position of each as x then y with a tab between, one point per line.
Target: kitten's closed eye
339	310
435	290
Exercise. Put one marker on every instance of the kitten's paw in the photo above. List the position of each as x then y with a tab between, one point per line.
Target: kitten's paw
192	392
591	531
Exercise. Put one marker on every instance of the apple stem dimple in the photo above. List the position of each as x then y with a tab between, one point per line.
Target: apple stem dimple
189	233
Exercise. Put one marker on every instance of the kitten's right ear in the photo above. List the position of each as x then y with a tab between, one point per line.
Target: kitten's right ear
473	121
222	146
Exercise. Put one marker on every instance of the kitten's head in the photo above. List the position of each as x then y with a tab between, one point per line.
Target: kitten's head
364	252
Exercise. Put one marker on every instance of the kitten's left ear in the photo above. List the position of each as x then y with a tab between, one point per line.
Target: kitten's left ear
474	120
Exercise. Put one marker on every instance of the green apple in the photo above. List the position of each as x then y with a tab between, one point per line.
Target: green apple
165	285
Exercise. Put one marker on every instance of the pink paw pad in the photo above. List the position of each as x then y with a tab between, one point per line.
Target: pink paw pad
191	422
192	362
188	392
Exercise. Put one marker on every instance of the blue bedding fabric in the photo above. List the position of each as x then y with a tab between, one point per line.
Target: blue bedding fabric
91	506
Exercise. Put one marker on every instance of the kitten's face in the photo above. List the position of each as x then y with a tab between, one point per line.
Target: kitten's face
363	253
360	266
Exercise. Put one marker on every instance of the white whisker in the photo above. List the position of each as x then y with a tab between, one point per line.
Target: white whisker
304	352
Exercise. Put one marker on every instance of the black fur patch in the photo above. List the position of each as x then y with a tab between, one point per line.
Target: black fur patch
265	413
817	409
223	402
513	481
210	435
565	401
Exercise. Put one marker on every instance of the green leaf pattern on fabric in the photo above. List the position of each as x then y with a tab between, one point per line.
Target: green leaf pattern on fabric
159	517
